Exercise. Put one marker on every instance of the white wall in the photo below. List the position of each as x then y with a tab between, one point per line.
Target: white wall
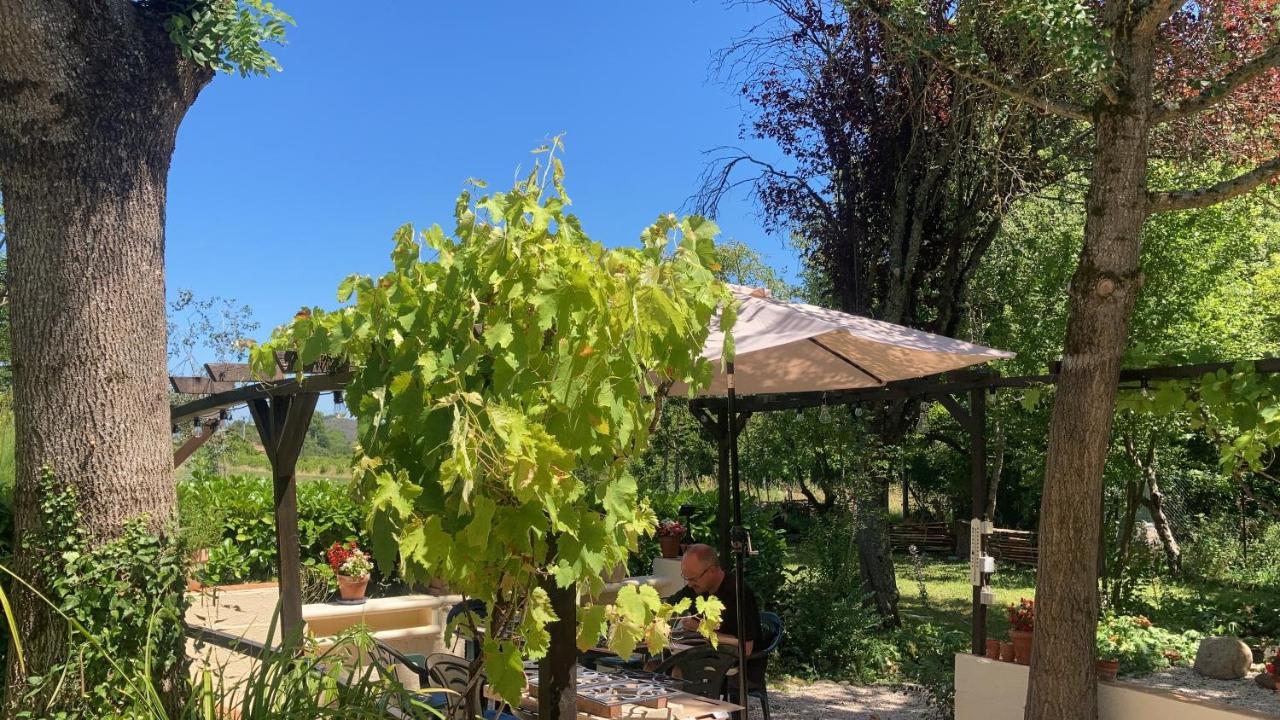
994	690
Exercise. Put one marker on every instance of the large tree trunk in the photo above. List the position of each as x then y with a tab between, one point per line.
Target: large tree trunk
91	95
1106	282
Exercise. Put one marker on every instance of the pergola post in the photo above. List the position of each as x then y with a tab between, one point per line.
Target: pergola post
978	506
282	423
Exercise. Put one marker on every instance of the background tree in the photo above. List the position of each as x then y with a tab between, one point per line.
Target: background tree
1136	66
91	96
895	176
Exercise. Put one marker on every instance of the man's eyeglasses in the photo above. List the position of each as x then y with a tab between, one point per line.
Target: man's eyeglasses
695	578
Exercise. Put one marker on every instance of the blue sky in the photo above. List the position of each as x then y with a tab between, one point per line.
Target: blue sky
280	187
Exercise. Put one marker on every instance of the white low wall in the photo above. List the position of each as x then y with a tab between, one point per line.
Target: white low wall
995	690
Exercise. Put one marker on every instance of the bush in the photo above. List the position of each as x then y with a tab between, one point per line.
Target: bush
1215	553
829	631
1141	647
246	550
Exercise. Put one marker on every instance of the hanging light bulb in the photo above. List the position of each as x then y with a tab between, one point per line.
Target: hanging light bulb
197	428
824	415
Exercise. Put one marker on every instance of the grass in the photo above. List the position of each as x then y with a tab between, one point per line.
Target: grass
950	596
1171	603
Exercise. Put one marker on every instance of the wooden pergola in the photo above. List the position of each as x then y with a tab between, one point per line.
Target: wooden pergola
282	408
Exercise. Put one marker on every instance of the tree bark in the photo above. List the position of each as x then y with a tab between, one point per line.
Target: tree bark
1102	293
997	469
875	556
91	95
1155	503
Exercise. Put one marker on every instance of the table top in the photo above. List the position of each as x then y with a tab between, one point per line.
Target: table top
682	706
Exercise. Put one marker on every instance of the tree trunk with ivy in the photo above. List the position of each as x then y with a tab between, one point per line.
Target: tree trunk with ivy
91	96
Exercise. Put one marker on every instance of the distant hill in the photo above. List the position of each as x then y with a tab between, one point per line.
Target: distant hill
344	424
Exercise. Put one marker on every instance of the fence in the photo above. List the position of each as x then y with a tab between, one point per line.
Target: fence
1015	546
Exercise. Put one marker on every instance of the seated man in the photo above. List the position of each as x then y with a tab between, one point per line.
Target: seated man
703	576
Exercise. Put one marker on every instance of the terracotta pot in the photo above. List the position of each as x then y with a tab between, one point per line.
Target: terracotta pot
1006	651
670	546
352	588
1108	669
993	649
1021	646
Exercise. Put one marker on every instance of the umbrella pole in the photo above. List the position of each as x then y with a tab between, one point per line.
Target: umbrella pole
739	543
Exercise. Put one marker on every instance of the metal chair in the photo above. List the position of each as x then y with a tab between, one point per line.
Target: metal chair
388	658
454	673
771	634
702	670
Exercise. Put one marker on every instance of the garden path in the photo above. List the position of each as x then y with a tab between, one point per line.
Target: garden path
835	701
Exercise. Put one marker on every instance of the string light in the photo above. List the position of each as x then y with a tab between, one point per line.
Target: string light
197	428
824	415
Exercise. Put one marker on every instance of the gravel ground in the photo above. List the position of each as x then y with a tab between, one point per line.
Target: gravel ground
1238	693
834	701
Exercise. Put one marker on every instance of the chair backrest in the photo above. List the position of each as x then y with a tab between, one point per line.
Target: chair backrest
702	670
462	627
771	634
389	660
451	672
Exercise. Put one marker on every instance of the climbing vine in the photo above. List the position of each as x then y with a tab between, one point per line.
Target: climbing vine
503	376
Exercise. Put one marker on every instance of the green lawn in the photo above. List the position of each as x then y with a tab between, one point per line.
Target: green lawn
949	596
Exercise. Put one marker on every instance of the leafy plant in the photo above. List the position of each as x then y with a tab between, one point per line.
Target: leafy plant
123	600
227	35
1022	615
500	386
1140	646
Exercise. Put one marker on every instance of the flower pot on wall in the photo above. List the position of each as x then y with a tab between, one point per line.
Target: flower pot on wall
1021	646
1108	669
352	588
993	649
1006	651
670	546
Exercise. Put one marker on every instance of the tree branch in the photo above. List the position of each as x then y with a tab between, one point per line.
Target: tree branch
945	440
1213	194
1004	87
1219	90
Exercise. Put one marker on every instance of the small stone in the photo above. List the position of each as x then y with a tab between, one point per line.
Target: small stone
1266	681
1223	658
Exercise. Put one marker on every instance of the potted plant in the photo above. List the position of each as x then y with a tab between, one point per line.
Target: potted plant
670	533
352	566
1109	642
1022	620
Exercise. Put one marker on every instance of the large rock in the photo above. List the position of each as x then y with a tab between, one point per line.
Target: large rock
1223	658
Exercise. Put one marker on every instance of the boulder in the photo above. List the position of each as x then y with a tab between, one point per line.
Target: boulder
1223	658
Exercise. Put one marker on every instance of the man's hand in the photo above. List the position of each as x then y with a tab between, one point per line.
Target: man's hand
689	623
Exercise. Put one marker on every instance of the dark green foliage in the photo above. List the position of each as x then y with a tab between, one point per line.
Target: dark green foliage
829	630
246	547
124	602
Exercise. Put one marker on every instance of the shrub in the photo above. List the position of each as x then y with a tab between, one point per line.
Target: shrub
327	513
1141	647
829	630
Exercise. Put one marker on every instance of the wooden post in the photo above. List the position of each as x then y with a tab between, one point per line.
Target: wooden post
557	678
282	423
978	503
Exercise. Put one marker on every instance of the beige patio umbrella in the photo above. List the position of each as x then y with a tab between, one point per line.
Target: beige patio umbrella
785	347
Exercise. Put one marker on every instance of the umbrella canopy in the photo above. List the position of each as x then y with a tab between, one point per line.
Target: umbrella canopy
785	347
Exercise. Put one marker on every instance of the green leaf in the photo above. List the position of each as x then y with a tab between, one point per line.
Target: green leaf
499	335
505	669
